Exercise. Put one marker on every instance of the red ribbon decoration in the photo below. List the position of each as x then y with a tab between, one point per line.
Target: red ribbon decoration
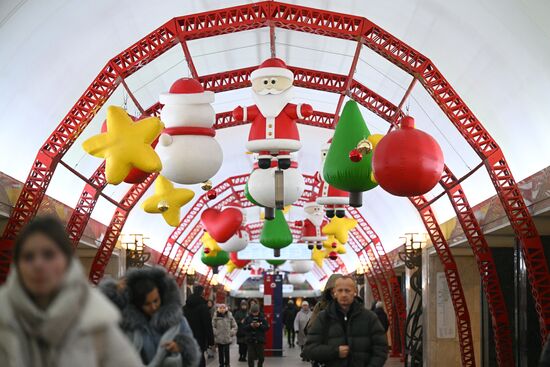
190	130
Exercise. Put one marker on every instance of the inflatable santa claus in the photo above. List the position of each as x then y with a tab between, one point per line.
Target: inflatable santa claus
273	132
312	226
334	200
239	240
187	147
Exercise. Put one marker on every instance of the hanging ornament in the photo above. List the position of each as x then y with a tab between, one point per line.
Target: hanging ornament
408	161
187	147
126	145
276	234
221	258
332	244
206	185
273	130
276	262
338	170
210	246
239	240
364	147
339	228
301	266
167	200
221	225
296	279
355	156
234	256
318	256
312	226
211	194
333	255
333	200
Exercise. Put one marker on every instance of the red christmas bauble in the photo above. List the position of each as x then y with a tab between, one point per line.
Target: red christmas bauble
407	161
238	263
334	245
135	176
355	156
333	255
206	250
211	194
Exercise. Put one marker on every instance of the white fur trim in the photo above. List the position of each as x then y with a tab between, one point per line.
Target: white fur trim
333	200
273	145
196	115
314	239
299	112
271	71
310	204
187	98
245	114
165	139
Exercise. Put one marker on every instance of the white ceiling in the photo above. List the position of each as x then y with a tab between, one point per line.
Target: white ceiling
495	53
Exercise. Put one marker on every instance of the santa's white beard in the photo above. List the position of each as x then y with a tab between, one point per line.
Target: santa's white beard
316	219
271	105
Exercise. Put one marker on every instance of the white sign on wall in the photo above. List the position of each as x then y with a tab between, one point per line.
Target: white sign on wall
287	288
445	316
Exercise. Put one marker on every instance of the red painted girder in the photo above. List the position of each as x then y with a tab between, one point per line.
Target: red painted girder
114	229
371	280
486	266
453	280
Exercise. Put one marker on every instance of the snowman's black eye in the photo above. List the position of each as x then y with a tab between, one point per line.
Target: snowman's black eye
266	82
273	81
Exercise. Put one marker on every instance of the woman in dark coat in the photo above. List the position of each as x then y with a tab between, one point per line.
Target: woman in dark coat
154	322
240	316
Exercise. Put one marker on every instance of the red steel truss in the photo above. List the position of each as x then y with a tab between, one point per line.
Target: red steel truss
114	229
370	279
453	279
250	16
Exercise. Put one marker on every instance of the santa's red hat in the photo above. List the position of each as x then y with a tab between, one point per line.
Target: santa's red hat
272	67
187	91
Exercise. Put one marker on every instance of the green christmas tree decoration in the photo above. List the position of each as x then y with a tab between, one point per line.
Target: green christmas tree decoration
338	170
276	262
249	197
276	233
220	259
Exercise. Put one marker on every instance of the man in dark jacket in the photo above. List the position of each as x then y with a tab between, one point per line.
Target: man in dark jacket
198	315
382	315
255	326
289	314
240	315
346	334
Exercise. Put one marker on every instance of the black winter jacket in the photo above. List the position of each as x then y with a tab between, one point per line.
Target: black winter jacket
240	316
360	330
255	335
383	317
289	314
198	315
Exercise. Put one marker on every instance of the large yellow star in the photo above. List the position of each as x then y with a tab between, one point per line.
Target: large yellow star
167	200
339	228
327	245
211	244
126	144
318	256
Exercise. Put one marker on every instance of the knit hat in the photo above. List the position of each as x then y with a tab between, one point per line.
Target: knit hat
243	302
305	303
379	304
254	308
272	67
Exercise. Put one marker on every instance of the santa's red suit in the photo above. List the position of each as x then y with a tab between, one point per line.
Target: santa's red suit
312	226
273	118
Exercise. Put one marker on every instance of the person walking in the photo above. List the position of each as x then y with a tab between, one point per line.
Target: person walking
154	322
346	334
289	314
300	323
240	316
49	314
382	315
326	298
255	326
198	315
225	328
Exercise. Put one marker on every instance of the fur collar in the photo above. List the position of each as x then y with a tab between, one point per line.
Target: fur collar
170	312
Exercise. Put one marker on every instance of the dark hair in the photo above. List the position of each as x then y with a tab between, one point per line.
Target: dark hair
198	290
48	226
140	289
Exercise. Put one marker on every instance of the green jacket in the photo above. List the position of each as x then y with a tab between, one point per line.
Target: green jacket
361	331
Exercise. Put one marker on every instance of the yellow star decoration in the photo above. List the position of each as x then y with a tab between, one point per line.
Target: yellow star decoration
126	144
318	256
375	139
211	244
167	200
339	228
230	266
327	245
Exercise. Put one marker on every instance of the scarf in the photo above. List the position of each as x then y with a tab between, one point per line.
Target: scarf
46	330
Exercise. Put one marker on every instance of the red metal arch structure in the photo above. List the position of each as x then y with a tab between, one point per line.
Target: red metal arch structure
294	17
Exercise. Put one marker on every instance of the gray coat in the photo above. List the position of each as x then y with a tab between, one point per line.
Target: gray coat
79	328
167	324
360	330
225	328
300	323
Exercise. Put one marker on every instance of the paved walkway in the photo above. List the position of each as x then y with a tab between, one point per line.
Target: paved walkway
291	358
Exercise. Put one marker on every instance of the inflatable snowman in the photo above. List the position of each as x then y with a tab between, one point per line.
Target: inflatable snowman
333	199
312	226
187	148
240	239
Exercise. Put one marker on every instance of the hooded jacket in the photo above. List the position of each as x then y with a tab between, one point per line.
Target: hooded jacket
359	329
325	300
198	314
148	335
79	327
225	328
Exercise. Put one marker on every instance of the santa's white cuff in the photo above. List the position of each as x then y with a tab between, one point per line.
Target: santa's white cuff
299	112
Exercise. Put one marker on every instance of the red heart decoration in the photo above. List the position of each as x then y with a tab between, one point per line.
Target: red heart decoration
221	225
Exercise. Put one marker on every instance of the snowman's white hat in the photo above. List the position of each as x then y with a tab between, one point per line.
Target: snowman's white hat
187	91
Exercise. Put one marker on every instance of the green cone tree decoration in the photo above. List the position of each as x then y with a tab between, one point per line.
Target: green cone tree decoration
339	170
276	233
276	262
249	197
220	259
